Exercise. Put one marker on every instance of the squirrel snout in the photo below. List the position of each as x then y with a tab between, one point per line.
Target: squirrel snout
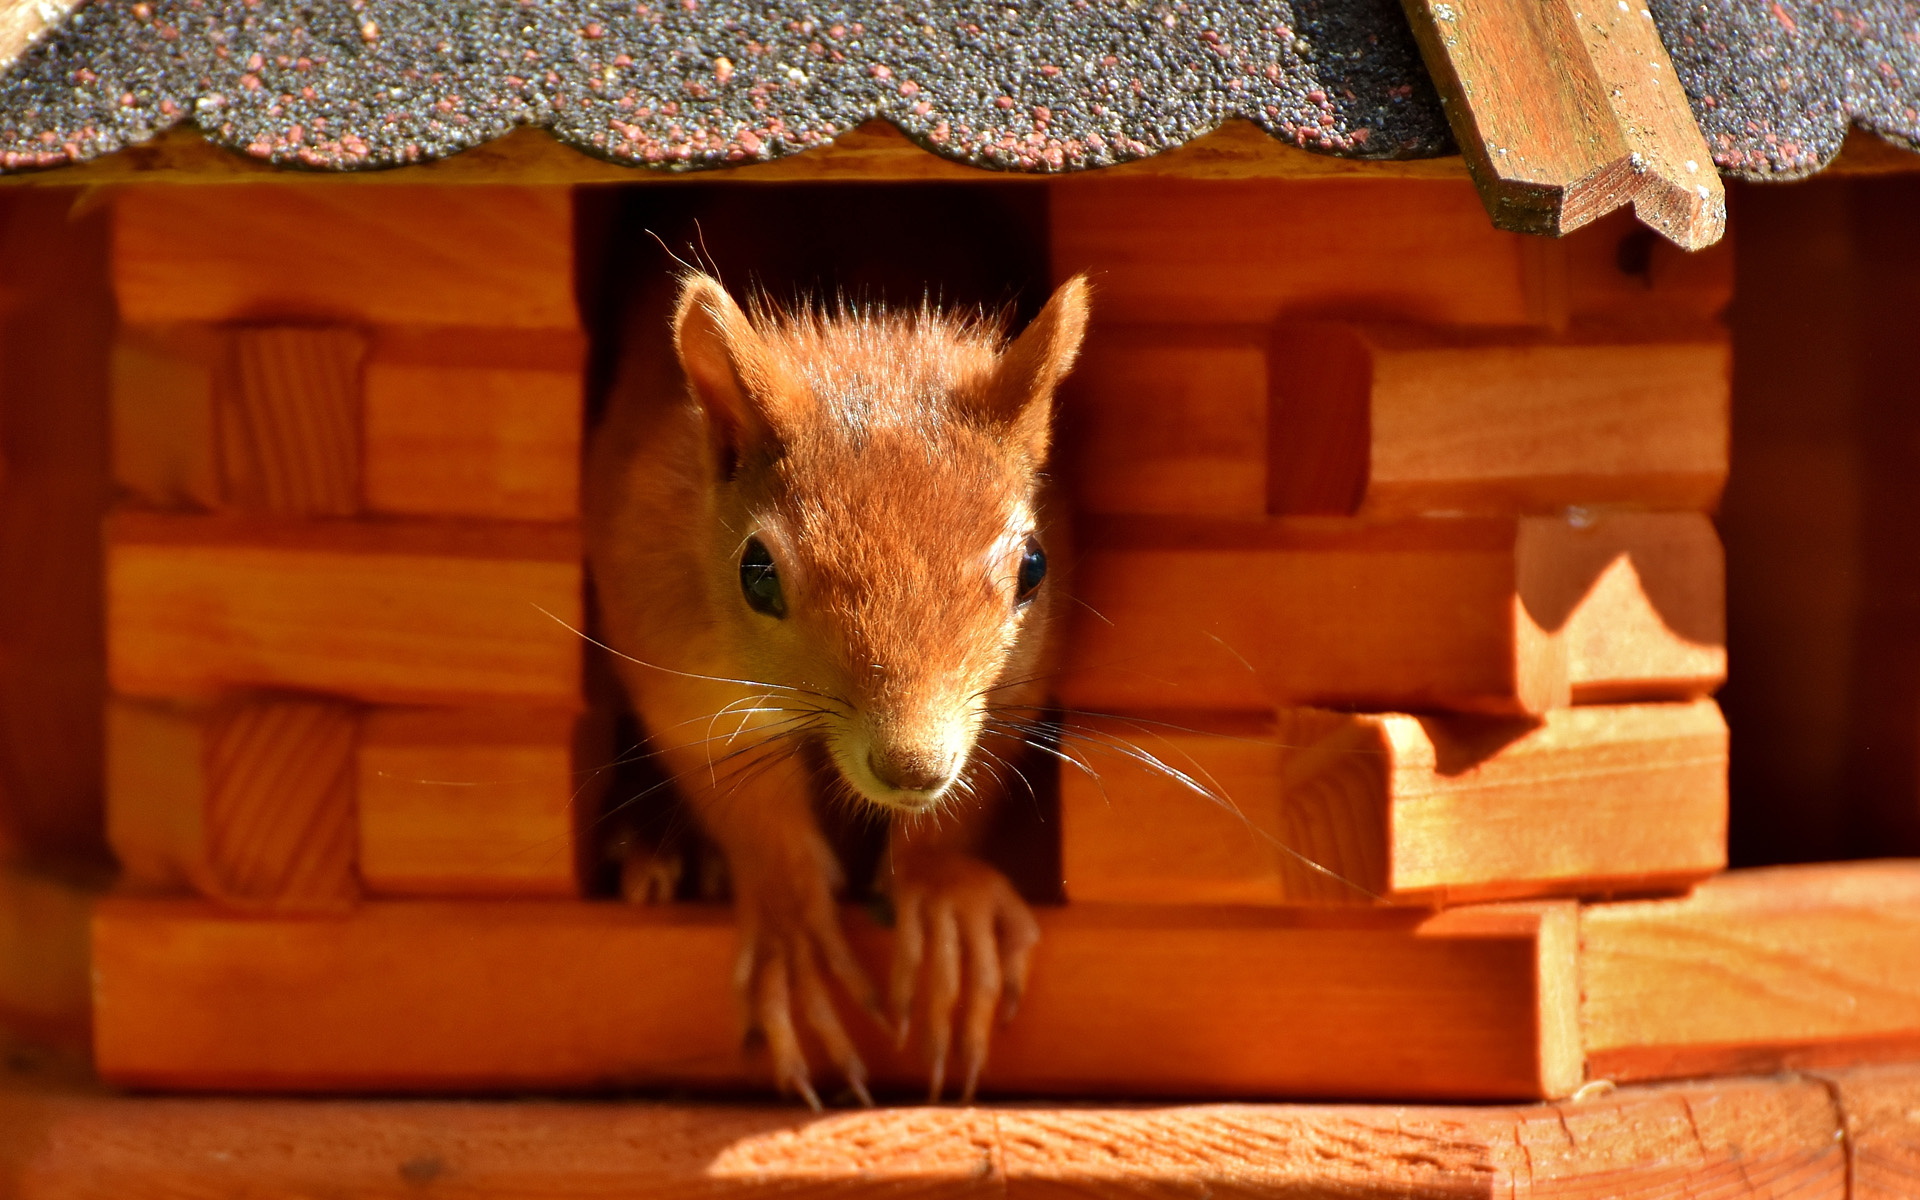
911	768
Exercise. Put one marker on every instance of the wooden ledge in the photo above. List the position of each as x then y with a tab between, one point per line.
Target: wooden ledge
1782	1136
873	152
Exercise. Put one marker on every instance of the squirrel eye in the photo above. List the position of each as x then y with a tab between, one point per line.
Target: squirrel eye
1033	568
760	580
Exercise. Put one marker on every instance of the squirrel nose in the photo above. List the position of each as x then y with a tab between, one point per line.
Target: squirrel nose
910	769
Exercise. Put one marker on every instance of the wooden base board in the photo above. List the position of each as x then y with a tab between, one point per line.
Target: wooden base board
1470	1003
1776	1137
1755	970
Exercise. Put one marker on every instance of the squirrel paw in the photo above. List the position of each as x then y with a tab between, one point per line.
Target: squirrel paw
952	910
784	942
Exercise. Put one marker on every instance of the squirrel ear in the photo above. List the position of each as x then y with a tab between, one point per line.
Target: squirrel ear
728	364
1020	391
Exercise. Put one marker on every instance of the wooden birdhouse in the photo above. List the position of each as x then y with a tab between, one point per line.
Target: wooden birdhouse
1436	436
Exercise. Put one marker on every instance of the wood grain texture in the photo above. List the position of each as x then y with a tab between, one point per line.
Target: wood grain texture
288	421
1566	110
1416	250
1757	969
1402	421
1881	1110
410	256
473	440
249	801
1395	808
389	612
1476	1002
1470	614
1167	419
1772	1138
471	802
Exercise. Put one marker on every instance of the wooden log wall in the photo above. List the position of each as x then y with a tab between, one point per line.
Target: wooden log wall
343	583
1395	555
1391	461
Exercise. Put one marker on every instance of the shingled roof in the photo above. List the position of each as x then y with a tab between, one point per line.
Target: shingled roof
684	84
1039	86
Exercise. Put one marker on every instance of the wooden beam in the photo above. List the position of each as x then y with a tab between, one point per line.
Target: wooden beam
249	801
1167	419
875	151
1729	1138
1477	615
1470	1003
387	613
470	440
1318	807
1568	109
1409	250
473	802
1402	420
402	256
1756	970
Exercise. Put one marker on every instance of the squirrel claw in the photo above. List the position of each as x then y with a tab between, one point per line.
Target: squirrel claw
954	912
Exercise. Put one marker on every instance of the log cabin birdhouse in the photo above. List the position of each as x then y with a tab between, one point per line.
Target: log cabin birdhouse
1389	760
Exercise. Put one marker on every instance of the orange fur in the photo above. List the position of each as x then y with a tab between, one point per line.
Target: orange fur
891	463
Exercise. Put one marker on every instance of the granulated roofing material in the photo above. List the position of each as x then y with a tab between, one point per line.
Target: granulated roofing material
1031	85
1775	83
1046	85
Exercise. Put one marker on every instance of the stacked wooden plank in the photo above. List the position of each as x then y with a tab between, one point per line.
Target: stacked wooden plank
1401	626
341	581
1419	606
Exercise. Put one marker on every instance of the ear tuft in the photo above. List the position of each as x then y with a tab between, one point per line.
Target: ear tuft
723	357
1021	390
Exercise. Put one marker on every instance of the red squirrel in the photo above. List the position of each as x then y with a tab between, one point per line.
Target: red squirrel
819	543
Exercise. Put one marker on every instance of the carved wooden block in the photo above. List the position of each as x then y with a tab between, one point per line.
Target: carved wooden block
478	802
1401	421
389	612
1476	1002
1314	807
1755	971
1567	109
1477	615
288	423
249	801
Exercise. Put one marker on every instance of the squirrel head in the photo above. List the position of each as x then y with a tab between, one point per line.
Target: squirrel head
878	535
